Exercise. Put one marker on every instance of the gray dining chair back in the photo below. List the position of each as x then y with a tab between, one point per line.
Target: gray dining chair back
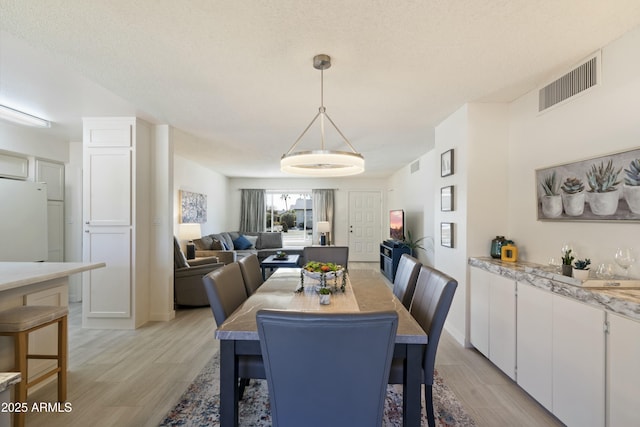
225	290
431	302
404	283
334	254
327	369
251	273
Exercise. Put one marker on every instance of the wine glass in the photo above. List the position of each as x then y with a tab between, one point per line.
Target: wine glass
624	258
604	272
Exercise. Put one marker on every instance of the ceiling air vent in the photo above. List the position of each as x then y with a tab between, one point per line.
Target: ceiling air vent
415	166
574	82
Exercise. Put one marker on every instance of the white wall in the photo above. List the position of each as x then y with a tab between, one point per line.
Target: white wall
413	192
341	185
196	178
600	122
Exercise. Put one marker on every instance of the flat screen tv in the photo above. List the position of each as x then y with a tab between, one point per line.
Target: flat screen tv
396	224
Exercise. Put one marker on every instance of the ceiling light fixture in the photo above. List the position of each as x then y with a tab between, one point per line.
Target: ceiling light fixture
322	162
22	118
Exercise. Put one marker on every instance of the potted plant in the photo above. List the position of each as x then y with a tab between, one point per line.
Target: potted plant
573	196
603	195
567	259
631	187
414	245
325	295
551	200
581	269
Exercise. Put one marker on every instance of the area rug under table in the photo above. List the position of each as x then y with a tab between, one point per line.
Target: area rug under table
200	404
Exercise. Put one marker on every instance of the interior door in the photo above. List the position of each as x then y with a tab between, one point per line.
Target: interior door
364	225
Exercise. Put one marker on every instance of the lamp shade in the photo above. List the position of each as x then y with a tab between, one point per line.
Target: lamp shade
323	226
190	231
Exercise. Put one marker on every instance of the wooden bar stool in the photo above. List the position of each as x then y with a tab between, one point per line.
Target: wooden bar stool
19	322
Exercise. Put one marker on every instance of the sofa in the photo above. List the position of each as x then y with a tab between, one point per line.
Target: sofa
229	246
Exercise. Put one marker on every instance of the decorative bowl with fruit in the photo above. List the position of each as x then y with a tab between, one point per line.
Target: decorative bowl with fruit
316	270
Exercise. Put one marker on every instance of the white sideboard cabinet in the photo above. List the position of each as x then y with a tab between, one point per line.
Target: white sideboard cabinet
493	318
623	370
116	188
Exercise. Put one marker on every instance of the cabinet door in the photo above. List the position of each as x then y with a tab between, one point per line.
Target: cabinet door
624	375
107	291
578	363
502	324
107	132
52	174
107	186
479	310
534	342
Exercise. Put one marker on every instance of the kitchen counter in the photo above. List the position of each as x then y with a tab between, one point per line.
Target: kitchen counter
18	274
625	302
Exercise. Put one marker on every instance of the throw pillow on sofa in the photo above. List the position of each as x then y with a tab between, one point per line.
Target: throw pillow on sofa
242	243
252	239
270	240
203	243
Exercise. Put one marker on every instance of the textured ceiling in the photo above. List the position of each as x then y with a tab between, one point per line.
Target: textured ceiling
239	76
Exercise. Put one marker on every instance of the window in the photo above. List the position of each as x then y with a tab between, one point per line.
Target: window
292	214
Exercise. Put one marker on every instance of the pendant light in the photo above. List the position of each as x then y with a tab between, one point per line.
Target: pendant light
322	162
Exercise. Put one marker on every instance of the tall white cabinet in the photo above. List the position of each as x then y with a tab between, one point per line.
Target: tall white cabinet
116	221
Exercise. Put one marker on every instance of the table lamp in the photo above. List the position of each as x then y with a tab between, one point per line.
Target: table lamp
324	228
189	232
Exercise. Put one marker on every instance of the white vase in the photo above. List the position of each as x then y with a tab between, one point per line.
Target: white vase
604	203
325	299
580	274
573	203
551	206
632	197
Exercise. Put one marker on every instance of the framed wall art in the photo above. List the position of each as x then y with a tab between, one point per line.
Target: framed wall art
193	207
605	188
446	199
446	163
446	234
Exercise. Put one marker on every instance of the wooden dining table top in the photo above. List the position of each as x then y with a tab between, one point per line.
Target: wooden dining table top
365	291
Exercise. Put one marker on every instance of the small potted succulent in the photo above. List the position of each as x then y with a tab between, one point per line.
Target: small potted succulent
325	295
631	187
567	259
603	194
573	196
581	269
551	200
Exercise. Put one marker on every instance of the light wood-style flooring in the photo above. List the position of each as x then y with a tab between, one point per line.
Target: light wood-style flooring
133	378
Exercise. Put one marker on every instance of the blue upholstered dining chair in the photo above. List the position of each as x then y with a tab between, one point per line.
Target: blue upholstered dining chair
327	369
404	283
251	273
226	292
430	306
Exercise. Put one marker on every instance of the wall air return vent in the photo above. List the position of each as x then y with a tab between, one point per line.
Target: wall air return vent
574	82
415	166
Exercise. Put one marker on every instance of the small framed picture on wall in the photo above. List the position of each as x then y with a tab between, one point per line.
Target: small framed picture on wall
446	163
446	234
446	199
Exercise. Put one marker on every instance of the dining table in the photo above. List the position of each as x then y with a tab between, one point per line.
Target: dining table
364	291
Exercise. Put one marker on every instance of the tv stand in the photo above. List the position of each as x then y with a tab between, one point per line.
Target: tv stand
390	253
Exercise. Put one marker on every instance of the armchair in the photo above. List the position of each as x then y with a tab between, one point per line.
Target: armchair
187	277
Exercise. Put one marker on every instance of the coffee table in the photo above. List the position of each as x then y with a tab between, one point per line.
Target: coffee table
271	262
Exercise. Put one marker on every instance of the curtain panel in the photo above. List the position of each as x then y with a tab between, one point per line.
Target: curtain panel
252	210
323	201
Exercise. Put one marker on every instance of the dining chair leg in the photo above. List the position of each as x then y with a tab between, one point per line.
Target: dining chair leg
244	382
428	398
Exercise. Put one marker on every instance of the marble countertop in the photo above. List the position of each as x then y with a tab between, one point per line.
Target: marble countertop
17	274
7	379
621	301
